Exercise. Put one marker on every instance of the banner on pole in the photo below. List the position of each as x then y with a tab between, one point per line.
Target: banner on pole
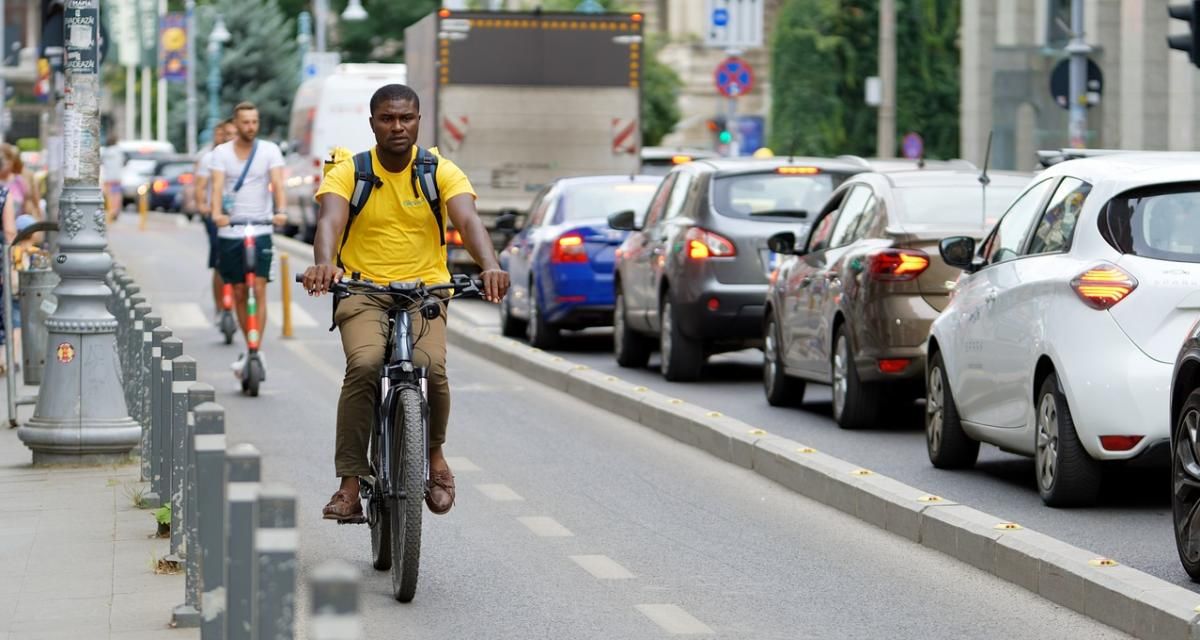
125	31
172	47
147	28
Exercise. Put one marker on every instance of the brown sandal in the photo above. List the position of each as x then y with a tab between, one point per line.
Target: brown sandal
344	508
439	494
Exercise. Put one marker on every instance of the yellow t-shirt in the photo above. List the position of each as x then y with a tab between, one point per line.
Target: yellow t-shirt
395	236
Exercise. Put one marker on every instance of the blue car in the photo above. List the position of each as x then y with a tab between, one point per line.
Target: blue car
561	260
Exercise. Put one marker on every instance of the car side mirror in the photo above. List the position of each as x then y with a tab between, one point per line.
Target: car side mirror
783	243
506	220
623	221
958	252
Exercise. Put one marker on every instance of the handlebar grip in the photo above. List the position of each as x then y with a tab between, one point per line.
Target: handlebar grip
300	278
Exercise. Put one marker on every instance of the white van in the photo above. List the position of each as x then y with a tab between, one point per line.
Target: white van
328	112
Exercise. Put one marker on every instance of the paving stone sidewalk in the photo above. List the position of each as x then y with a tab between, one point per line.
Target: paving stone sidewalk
77	558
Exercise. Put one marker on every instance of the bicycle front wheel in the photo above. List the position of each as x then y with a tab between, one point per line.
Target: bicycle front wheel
409	474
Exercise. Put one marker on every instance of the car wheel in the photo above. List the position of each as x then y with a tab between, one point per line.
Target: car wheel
948	445
781	389
681	356
856	404
1066	475
631	348
1185	485
510	326
541	334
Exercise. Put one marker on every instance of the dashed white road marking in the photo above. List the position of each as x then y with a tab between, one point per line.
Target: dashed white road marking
545	527
459	463
602	567
179	316
499	492
674	620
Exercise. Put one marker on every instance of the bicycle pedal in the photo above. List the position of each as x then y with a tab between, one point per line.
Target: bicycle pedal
355	520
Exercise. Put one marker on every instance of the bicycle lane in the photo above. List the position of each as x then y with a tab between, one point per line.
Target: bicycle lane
574	523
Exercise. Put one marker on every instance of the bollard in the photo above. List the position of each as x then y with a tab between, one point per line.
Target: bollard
160	432
209	445
286	299
334	587
141	408
187	615
183	376
133	381
37	303
242	475
158	335
143	206
275	544
126	339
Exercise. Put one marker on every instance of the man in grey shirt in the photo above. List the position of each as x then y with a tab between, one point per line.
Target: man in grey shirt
245	171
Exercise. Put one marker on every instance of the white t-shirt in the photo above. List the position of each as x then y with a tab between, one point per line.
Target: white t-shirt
112	163
253	204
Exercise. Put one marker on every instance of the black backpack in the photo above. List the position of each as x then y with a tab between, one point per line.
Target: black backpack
424	177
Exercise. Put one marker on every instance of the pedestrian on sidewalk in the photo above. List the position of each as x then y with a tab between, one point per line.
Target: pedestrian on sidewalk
112	163
8	221
224	132
247	175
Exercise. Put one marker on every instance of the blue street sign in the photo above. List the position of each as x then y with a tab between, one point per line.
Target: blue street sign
720	17
734	77
913	146
750	130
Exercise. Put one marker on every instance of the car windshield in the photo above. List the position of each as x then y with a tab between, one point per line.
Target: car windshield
140	166
1161	222
172	171
955	205
772	195
589	201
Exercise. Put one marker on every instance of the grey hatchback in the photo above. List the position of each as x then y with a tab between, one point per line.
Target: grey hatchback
692	277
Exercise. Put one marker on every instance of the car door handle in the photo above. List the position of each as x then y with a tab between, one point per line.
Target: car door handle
990	297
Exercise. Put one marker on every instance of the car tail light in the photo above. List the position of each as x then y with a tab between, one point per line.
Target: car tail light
1119	443
160	185
317	163
454	237
897	264
893	365
186	178
1103	286
703	244
569	248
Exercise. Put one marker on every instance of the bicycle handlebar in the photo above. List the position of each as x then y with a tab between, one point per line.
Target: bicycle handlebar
461	283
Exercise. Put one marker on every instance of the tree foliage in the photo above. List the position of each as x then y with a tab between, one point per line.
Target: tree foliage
259	64
822	53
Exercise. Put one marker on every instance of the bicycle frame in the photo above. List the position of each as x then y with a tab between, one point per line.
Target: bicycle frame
398	373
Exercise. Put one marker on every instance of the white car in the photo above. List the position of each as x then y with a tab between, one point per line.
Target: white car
1061	335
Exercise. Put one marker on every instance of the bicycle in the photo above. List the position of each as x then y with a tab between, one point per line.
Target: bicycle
399	453
253	372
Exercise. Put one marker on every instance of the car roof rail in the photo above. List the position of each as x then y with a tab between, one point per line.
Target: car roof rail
1051	157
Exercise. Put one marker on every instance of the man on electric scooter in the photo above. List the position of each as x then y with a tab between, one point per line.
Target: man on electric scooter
245	171
397	235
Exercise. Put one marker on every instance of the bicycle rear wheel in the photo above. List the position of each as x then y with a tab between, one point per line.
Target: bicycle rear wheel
405	514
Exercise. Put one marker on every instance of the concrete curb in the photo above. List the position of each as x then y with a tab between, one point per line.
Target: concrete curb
1122	597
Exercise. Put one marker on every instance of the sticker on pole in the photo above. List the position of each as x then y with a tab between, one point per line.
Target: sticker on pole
913	146
65	353
734	77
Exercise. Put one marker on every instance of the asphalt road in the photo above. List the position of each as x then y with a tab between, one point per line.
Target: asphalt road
1132	524
573	523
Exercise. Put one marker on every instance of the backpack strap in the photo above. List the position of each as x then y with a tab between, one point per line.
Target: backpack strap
424	175
365	181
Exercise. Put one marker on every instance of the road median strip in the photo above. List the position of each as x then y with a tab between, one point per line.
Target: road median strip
1100	588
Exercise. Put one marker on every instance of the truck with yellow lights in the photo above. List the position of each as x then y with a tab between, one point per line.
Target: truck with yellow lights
518	99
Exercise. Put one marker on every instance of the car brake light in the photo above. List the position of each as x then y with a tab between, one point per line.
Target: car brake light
703	244
897	264
569	248
160	185
317	163
454	237
1119	443
185	178
893	365
1103	286
798	171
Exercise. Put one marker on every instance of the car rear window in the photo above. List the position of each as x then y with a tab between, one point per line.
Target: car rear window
587	201
955	205
773	194
1160	222
171	171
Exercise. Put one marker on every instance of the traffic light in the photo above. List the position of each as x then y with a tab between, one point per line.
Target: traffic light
717	126
1190	41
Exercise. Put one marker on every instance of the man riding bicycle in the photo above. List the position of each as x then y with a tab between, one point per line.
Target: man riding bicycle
395	237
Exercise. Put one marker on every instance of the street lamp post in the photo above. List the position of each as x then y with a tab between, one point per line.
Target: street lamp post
81	415
216	40
304	39
191	76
